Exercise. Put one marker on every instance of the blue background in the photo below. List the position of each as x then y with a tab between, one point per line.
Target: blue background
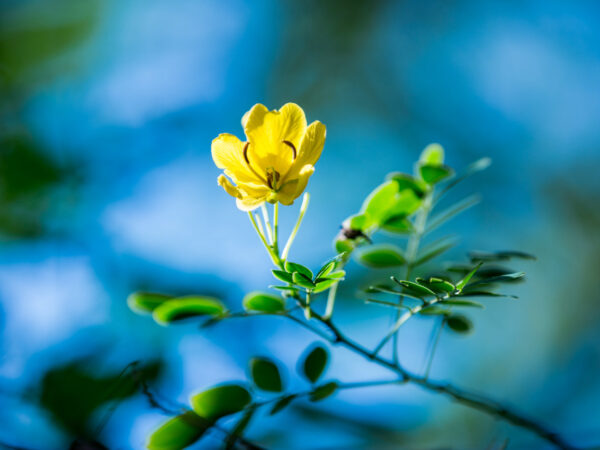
118	102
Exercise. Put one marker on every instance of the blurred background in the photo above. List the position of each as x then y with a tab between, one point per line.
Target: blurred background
107	186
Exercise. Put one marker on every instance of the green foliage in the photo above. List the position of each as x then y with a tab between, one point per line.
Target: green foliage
282	403
323	391
261	302
182	308
146	302
314	363
220	401
265	374
459	324
179	432
382	256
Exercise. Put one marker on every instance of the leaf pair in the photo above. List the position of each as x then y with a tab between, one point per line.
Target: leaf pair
299	276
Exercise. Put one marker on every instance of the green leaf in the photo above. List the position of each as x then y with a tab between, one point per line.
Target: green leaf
437	284
462	283
474	167
358	222
314	363
398	225
433	174
406	181
388	201
146	301
290	289
220	401
418	289
282	403
434	250
323	391
383	255
265	374
500	256
259	301
476	293
463	303
239	428
302	280
452	212
291	267
384	288
509	277
344	245
337	275
178	432
325	283
186	307
283	276
432	154
326	269
459	324
435	310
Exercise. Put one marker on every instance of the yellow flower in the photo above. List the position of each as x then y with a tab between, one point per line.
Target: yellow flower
275	162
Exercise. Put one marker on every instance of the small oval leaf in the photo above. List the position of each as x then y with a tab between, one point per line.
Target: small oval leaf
282	403
302	280
220	401
380	256
314	363
291	267
146	301
178	432
259	301
265	374
459	324
283	276
323	391
186	307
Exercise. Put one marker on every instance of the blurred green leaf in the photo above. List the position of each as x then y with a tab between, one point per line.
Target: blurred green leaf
290	289
406	181
478	293
265	374
179	432
452	212
462	283
398	225
323	391
302	280
431	251
433	174
452	302
291	267
382	255
146	301
73	393
282	403
388	201
459	324
283	276
344	245
435	310
220	401
259	301
415	287
324	283
499	256
432	154
187	307
507	278
314	363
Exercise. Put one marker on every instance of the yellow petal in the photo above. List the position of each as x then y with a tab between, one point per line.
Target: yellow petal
229	188
294	188
274	136
248	203
310	149
228	153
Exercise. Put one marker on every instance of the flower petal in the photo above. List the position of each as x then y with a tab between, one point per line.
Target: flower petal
274	136
229	188
292	189
310	149
249	203
228	153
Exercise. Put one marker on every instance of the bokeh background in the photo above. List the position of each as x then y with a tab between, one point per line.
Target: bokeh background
107	186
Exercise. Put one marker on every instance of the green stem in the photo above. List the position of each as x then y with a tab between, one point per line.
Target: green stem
438	334
276	228
275	258
269	232
412	249
290	240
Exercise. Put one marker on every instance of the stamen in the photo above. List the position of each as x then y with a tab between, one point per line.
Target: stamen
294	153
245	152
